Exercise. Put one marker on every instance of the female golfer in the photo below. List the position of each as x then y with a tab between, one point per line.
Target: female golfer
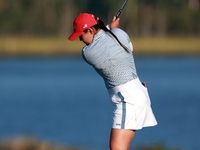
110	53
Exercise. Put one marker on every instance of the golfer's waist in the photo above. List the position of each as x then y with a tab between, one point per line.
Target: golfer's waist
128	85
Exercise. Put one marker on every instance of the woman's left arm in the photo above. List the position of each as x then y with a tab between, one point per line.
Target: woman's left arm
114	23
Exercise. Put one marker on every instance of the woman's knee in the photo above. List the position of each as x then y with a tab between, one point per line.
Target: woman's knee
120	139
118	146
114	146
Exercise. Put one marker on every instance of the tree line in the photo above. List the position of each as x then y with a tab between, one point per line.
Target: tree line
139	18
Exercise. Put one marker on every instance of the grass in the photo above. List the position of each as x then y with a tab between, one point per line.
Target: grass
38	46
30	143
24	45
169	45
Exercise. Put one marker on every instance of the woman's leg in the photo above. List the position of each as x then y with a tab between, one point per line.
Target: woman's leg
120	139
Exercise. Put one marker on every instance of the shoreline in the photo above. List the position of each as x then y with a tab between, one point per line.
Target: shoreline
24	143
49	46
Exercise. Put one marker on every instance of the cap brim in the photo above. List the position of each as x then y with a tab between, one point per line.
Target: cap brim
74	36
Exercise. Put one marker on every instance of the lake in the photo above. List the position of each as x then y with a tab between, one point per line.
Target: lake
63	100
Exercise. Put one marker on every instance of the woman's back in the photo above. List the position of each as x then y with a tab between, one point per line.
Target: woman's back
110	59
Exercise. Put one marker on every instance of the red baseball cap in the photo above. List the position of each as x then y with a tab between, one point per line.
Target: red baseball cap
82	22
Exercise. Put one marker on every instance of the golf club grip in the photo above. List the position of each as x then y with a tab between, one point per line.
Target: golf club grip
118	14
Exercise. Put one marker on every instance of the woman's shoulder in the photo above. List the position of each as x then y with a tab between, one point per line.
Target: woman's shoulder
118	31
121	35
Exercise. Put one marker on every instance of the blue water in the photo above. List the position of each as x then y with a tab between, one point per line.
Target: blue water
63	100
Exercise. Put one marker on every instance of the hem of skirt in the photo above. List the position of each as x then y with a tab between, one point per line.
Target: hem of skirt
135	128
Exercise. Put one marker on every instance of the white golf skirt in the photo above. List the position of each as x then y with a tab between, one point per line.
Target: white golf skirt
131	106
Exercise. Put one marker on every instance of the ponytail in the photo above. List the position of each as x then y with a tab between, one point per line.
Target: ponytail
101	25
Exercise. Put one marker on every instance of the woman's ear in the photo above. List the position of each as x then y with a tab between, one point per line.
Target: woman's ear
91	30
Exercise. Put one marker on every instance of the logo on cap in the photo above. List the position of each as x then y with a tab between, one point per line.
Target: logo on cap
85	26
74	27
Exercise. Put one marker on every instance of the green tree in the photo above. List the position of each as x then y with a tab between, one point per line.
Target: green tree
139	17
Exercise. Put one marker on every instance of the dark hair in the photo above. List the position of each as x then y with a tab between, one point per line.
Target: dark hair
101	25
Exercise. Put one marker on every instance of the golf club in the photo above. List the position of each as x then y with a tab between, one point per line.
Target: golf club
120	11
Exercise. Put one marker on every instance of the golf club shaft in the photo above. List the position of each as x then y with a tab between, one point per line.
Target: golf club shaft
120	11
